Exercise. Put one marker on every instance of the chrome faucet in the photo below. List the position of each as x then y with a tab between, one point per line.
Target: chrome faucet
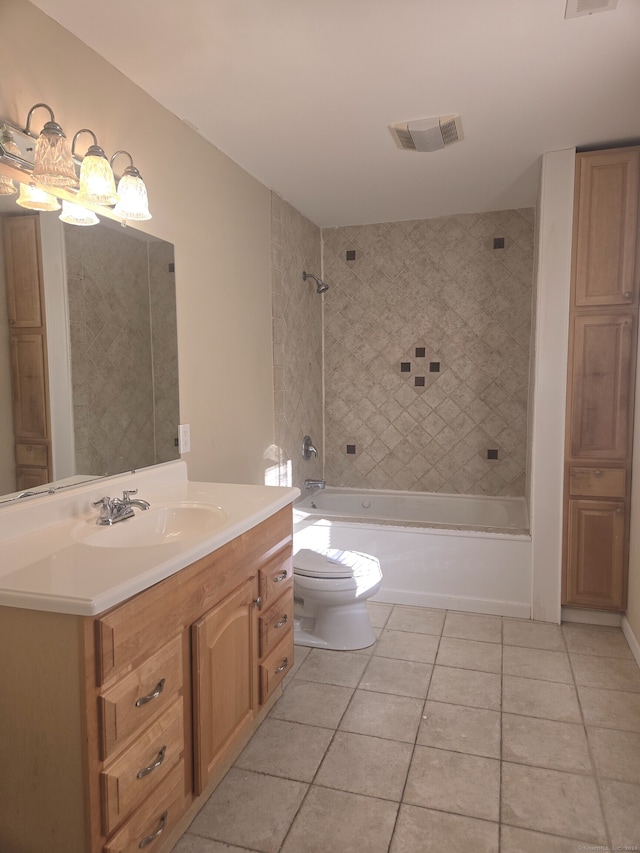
308	450
113	510
314	484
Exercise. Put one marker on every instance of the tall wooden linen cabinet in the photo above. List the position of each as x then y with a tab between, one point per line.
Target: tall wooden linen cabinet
603	332
28	350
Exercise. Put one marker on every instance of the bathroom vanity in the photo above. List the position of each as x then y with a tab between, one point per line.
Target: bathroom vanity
137	661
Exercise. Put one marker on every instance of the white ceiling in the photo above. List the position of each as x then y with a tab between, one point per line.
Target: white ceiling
301	92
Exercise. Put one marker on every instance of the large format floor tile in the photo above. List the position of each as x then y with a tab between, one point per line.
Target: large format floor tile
454	731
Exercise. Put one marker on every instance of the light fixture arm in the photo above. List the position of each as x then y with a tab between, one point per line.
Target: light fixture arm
92	149
52	120
130	169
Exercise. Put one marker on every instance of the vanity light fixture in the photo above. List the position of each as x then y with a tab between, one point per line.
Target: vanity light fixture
53	163
133	203
73	214
97	184
35	198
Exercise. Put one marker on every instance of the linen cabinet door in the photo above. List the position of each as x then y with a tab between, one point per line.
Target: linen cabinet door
595	574
224	644
605	224
600	425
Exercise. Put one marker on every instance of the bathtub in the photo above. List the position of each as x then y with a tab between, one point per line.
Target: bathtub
455	552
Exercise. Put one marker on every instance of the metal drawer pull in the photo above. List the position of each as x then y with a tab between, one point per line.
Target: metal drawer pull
282	667
151	838
146	770
281	577
282	621
627	294
597	473
151	696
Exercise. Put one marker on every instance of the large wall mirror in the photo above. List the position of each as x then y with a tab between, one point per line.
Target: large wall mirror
111	353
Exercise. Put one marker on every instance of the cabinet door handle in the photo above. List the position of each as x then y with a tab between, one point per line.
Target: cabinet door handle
627	294
597	473
282	667
281	577
151	838
146	770
281	622
258	602
151	696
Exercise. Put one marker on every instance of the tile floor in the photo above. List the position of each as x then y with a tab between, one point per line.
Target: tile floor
453	732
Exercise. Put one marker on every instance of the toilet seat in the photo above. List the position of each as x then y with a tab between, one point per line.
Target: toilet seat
334	564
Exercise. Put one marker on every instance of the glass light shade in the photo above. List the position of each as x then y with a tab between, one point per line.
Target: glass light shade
33	198
7	186
73	214
133	202
97	184
53	164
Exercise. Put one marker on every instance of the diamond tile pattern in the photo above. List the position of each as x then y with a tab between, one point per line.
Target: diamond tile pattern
121	316
437	284
297	344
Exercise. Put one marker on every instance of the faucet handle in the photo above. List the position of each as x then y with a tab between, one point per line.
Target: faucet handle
126	494
102	502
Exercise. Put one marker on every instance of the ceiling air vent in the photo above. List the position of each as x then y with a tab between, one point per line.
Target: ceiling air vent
428	134
577	8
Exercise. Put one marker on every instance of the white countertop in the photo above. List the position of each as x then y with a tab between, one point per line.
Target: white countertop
44	566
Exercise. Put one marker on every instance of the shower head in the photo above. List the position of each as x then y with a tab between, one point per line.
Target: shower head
322	287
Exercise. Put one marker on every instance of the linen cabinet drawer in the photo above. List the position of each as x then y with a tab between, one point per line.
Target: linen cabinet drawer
275	667
597	482
154	820
32	454
136	772
275	623
276	577
140	696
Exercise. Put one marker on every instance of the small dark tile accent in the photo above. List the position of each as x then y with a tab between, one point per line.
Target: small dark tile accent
351	254
351	448
498	242
419	380
492	454
434	367
172	267
405	367
420	352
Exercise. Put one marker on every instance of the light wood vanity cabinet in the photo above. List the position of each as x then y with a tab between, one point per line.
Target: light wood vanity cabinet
120	726
601	378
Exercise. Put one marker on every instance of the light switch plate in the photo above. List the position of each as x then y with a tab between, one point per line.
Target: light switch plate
184	438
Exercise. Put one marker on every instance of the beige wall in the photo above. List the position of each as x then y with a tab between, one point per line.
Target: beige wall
217	216
427	337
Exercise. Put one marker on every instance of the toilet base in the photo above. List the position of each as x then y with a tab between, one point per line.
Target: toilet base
341	628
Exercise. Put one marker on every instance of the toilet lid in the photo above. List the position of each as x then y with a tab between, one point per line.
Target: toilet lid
333	563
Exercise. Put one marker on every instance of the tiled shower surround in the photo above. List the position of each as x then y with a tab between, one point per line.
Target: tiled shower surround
297	344
123	350
427	346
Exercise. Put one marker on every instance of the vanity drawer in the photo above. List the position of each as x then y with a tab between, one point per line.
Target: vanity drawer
275	623
141	696
275	667
154	820
132	776
32	454
276	577
597	482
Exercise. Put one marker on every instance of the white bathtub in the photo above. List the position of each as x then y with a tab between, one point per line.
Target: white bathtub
449	551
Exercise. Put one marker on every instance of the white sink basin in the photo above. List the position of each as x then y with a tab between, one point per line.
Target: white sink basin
155	526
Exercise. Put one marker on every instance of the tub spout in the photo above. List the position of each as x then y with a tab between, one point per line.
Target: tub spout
314	484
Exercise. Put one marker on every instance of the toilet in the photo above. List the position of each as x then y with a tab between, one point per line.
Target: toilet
330	590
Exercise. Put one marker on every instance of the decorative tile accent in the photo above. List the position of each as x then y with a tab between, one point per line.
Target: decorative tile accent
440	282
